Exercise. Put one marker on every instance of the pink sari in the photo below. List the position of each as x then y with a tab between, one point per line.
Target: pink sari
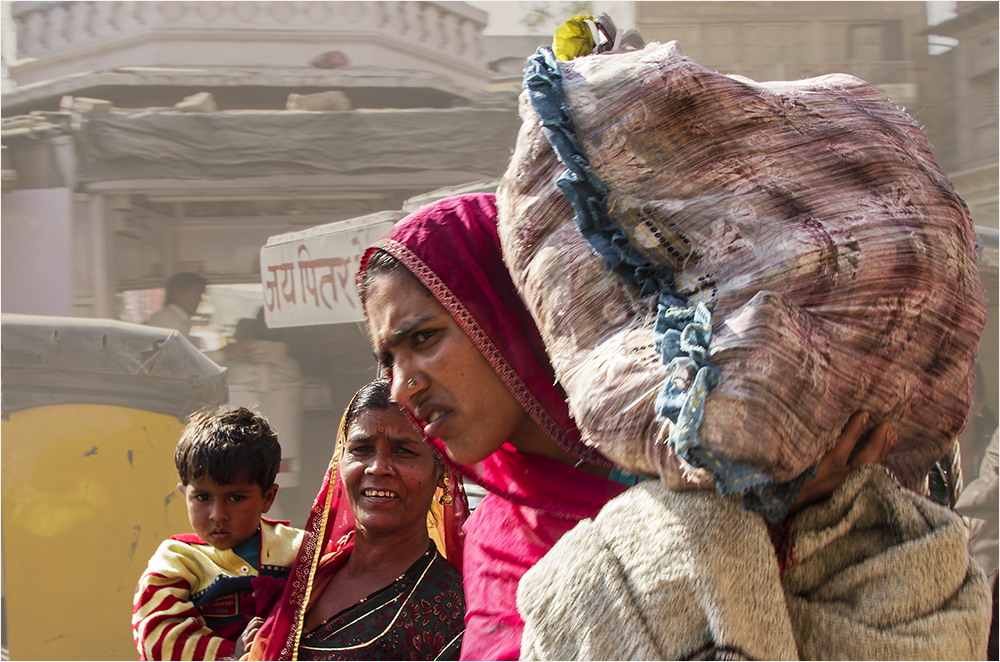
452	247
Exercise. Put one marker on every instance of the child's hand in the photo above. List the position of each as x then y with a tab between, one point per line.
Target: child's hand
245	641
838	463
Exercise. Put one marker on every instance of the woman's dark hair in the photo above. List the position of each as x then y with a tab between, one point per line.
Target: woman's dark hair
226	445
379	262
373	395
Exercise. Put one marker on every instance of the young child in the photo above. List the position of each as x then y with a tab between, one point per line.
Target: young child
196	595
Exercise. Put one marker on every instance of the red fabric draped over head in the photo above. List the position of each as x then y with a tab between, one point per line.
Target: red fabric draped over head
453	249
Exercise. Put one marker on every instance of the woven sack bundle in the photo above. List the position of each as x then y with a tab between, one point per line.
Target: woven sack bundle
834	263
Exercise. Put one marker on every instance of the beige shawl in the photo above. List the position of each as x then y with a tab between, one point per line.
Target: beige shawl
874	572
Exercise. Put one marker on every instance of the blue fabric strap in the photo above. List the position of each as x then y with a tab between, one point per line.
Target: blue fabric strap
682	333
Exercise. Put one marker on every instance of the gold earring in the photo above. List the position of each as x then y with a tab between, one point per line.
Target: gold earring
446	499
411	382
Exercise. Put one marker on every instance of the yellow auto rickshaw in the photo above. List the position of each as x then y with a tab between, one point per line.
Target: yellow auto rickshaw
91	413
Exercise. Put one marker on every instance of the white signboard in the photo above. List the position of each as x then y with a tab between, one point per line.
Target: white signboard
308	276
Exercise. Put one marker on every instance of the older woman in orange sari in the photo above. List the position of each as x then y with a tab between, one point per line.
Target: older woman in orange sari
372	580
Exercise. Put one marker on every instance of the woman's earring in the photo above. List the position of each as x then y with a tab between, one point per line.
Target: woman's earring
445	499
411	382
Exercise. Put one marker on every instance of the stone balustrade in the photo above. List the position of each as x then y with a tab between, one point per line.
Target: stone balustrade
447	28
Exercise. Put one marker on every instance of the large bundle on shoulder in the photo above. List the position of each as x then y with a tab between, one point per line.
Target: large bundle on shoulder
723	271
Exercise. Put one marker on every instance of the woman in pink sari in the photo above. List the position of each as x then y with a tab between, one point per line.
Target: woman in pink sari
492	404
467	362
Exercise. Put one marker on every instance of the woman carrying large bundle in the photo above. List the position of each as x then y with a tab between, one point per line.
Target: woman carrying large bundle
467	362
696	278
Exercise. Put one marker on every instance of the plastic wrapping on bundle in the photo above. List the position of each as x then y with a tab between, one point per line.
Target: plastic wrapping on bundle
724	271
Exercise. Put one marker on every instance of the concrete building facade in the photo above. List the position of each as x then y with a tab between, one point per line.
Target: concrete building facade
966	90
212	75
141	139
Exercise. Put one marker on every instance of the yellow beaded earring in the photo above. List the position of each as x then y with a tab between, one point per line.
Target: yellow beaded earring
445	499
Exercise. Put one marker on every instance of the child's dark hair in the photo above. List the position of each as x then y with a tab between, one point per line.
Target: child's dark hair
227	444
